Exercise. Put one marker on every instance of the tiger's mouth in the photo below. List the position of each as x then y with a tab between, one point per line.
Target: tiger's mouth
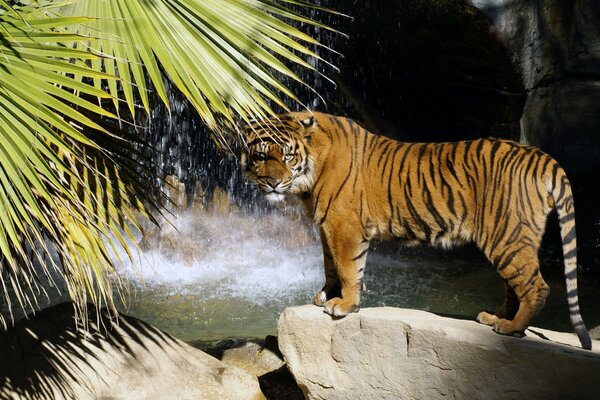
274	197
274	194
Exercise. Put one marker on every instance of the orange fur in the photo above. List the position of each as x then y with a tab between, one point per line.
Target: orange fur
357	186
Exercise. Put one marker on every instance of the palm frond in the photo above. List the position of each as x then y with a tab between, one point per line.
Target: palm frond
61	63
49	164
226	56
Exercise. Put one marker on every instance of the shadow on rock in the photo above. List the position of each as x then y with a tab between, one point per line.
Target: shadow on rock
50	356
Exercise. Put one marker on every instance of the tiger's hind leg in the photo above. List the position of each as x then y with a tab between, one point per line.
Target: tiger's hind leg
507	310
520	270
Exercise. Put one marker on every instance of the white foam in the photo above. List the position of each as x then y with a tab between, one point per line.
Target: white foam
246	256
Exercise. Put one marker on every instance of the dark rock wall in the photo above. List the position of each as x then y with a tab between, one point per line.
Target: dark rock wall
427	70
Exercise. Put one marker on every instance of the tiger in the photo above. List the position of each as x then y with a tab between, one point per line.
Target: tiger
357	186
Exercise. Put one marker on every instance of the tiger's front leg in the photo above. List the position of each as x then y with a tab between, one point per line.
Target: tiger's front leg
331	288
348	255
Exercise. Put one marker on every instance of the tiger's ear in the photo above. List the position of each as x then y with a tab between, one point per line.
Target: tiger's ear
308	122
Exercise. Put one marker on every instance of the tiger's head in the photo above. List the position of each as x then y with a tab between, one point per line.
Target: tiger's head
277	155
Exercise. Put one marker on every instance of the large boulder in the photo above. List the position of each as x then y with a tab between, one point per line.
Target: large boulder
47	357
391	353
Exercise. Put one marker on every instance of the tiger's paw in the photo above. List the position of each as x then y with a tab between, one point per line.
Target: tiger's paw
505	327
487	318
338	307
320	299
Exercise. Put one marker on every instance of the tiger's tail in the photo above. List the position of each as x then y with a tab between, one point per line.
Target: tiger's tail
563	202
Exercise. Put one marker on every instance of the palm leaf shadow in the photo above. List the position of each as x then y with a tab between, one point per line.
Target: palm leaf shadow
46	356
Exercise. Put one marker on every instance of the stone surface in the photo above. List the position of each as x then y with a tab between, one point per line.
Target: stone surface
263	359
45	357
390	353
258	357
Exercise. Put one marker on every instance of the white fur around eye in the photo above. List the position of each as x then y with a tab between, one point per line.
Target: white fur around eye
307	121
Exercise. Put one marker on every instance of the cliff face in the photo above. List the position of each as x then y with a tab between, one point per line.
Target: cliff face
427	70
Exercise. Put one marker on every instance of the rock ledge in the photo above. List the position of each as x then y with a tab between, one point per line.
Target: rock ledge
391	353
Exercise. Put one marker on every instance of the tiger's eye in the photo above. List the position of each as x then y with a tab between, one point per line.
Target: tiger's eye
288	157
260	156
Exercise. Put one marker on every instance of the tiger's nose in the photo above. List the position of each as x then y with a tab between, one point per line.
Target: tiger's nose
273	182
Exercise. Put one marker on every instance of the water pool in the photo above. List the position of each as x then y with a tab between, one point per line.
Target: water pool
231	277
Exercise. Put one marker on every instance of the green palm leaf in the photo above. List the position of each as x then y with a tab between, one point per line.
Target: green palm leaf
62	189
226	56
48	160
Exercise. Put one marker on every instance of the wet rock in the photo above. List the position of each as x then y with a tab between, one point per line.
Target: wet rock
47	357
220	203
280	385
556	46
176	194
390	353
595	333
169	235
198	205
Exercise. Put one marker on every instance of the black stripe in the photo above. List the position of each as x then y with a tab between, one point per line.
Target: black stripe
350	169
325	213
376	144
493	151
563	185
570	236
555	168
390	199
267	139
431	208
526	292
566	218
384	152
361	255
504	264
571	274
362	159
415	215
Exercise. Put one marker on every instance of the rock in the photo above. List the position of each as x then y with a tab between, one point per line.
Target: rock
46	357
258	357
263	359
198	205
595	332
221	204
174	189
440	72
556	47
391	353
